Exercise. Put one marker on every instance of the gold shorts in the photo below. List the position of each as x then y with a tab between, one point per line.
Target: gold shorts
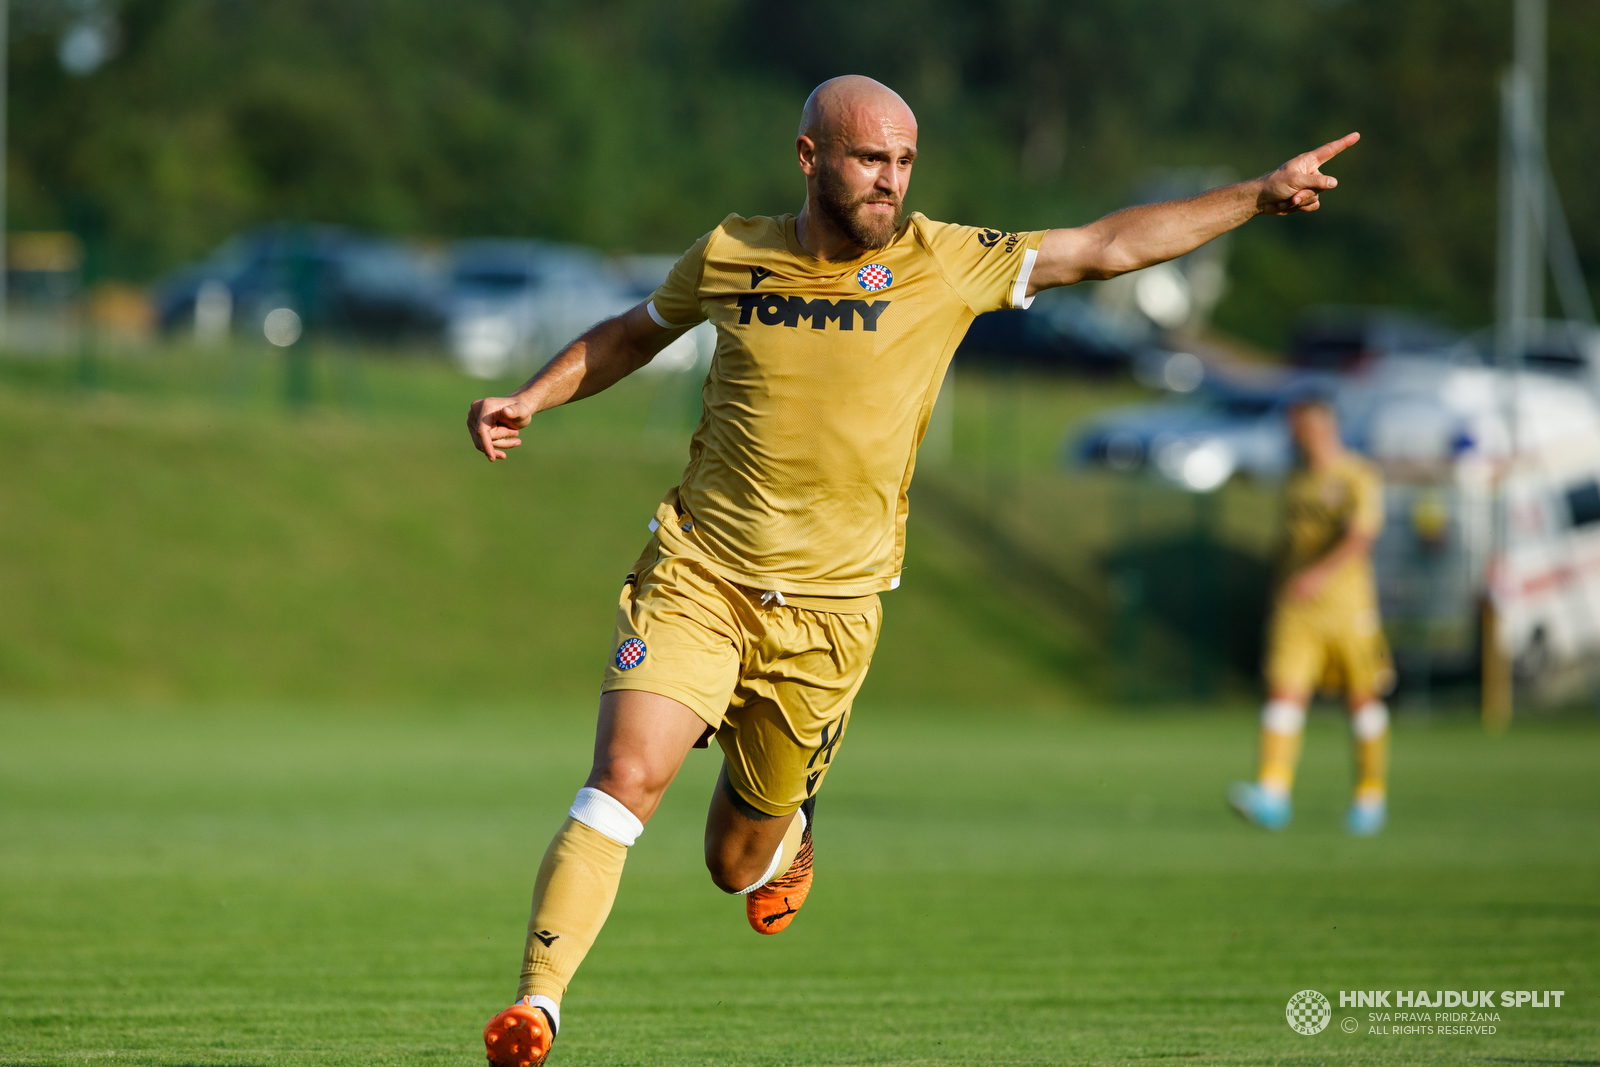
774	682
1312	647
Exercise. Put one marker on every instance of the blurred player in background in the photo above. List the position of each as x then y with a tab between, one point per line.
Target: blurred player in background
1324	632
753	613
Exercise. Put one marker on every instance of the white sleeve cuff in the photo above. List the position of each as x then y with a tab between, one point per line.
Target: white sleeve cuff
656	315
1019	291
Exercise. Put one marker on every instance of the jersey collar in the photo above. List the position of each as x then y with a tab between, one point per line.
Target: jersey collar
837	266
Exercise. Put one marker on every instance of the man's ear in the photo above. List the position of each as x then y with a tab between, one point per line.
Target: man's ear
806	149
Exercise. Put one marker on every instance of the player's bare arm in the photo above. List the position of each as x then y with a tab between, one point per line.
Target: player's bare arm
1142	236
607	353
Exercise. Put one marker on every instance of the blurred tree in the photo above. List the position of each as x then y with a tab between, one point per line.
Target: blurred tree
637	124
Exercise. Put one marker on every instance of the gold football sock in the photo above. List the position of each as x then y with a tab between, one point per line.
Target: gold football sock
573	894
1282	731
1370	725
790	847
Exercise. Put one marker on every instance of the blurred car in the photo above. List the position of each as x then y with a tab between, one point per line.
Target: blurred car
512	303
332	278
1198	443
1558	347
1061	330
1348	339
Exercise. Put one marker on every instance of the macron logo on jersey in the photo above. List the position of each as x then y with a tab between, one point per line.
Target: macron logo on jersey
772	310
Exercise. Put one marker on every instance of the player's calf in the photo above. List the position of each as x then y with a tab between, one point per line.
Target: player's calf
1369	809
1265	802
743	842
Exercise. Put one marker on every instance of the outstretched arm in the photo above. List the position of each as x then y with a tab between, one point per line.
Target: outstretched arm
1154	233
602	357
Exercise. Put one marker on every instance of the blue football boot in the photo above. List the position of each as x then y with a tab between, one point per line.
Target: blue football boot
1270	811
1367	817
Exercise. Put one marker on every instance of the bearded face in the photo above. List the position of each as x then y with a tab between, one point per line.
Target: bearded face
847	211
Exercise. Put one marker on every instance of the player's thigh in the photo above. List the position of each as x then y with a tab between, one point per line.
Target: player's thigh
676	636
1296	653
640	743
791	707
1363	655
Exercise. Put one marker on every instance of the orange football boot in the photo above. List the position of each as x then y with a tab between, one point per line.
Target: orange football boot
773	907
520	1036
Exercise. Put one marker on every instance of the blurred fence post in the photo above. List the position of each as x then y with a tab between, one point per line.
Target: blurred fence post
1496	708
297	375
1209	605
1127	593
88	355
938	443
1003	445
5	158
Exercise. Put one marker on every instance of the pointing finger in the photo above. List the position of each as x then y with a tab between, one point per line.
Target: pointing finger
1333	148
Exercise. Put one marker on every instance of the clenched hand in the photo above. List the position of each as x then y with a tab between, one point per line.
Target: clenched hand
496	423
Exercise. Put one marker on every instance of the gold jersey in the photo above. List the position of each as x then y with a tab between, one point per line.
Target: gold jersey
1320	508
820	390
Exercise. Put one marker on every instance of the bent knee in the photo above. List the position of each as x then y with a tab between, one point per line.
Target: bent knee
633	782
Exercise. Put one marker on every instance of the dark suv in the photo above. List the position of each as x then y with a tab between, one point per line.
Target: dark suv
337	280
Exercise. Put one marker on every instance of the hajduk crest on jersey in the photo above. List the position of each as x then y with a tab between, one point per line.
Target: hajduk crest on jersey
874	276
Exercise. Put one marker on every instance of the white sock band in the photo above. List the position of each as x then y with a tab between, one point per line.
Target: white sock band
1371	721
606	814
777	858
550	1007
1283	717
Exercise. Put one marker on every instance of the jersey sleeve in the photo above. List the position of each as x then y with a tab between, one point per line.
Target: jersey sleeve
988	268
1366	517
676	302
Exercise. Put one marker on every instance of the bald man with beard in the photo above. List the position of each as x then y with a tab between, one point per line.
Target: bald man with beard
752	614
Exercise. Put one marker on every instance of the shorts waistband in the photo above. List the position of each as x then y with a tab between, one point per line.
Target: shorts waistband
838	605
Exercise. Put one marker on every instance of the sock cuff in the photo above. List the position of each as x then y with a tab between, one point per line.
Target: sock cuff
1371	721
772	869
1283	717
551	1008
606	815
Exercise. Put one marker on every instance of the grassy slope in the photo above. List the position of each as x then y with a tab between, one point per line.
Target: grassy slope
175	536
291	887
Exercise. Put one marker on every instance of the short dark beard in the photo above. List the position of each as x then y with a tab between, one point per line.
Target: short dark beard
843	210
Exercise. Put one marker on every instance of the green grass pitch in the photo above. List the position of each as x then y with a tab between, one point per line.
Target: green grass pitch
230	888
